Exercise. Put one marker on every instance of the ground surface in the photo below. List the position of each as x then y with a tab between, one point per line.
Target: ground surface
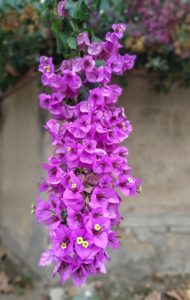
16	283
156	288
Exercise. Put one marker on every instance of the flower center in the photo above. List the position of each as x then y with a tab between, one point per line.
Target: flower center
139	189
68	148
85	244
47	68
33	206
74	185
97	227
63	245
79	240
130	179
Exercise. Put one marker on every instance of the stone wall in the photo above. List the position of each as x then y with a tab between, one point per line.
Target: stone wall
22	153
156	227
157	223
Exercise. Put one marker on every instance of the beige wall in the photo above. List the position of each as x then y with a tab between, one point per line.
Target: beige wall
22	147
157	223
156	228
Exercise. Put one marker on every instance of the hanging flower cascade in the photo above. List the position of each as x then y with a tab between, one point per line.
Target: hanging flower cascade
90	166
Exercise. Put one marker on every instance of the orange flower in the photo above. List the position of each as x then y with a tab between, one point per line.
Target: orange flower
29	13
136	44
10	21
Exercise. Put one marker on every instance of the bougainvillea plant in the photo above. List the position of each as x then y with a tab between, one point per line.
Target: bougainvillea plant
89	167
158	31
30	28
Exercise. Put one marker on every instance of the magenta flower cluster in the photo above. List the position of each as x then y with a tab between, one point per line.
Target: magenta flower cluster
89	166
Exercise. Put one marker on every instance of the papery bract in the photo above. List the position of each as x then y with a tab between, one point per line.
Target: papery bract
61	9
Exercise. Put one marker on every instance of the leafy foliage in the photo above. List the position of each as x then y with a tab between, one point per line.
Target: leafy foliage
29	28
23	36
158	31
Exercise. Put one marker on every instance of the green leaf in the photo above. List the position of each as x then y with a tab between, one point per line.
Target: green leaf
95	38
104	5
55	27
72	8
100	63
72	42
77	9
60	36
61	41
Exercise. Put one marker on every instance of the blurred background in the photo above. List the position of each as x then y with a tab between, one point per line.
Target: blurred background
153	262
